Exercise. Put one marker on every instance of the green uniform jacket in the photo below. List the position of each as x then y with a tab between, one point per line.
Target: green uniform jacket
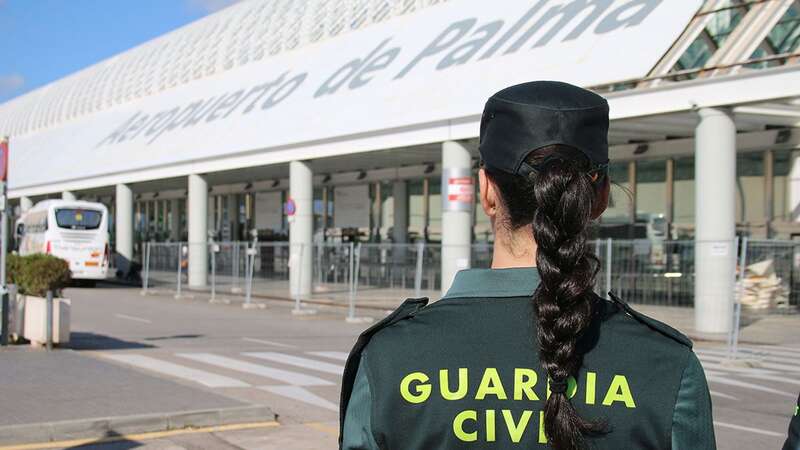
464	373
793	441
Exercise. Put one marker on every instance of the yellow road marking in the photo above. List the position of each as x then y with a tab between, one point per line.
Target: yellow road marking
140	436
319	427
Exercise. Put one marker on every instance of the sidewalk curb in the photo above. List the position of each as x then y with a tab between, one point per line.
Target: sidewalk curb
122	425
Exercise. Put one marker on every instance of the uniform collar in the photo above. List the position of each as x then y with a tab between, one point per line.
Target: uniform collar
514	282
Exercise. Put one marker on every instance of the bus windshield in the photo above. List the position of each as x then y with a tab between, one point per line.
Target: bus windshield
78	219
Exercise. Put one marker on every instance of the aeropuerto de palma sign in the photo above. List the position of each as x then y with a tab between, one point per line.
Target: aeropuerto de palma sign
435	65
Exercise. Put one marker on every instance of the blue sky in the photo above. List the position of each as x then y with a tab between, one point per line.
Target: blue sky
44	40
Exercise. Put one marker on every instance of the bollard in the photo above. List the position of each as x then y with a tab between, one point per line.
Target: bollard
49	324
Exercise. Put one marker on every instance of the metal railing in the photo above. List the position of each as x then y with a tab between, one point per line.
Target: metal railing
379	276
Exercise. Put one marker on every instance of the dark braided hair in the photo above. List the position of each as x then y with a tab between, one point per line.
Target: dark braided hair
558	201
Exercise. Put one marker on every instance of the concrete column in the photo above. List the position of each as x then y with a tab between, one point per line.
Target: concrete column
158	217
67	195
124	222
164	218
301	227
400	199
715	215
456	224
25	203
197	206
175	220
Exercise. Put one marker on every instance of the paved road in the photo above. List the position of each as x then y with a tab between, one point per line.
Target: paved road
293	364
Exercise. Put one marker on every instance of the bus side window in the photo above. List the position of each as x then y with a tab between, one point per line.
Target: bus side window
21	230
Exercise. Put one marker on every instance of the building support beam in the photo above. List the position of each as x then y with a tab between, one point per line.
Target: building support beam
456	224
164	222
123	223
197	206
632	184
301	226
400	212
715	219
769	191
175	220
233	217
670	196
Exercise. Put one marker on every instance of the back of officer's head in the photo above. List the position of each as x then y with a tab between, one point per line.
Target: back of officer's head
544	150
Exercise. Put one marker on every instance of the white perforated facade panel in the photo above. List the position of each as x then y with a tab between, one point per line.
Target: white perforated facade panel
236	36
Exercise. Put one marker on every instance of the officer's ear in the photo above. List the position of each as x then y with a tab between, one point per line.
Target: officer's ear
488	194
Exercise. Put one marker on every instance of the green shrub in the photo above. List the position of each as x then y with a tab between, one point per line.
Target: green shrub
38	273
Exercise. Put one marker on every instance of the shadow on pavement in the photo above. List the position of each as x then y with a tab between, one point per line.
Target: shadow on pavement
176	336
112	441
115	283
90	341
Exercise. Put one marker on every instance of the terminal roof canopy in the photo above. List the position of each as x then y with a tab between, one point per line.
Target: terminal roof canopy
271	81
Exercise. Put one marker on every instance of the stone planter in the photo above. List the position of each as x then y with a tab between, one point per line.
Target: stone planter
35	322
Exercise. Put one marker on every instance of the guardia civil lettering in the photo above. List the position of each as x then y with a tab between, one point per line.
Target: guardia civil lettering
521	404
461	42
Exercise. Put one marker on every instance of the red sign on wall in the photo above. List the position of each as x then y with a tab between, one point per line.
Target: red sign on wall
458	189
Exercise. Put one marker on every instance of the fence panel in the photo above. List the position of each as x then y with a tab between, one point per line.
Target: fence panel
388	274
270	268
332	269
648	272
161	264
230	261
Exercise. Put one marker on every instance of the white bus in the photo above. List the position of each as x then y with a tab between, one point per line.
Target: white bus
75	231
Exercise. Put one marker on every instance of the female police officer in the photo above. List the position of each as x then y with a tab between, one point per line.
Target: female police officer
525	355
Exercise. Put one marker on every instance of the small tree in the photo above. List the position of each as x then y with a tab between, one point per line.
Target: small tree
36	274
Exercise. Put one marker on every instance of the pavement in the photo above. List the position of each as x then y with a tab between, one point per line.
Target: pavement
756	327
134	354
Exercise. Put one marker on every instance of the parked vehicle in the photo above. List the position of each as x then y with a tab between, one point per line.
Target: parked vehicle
75	231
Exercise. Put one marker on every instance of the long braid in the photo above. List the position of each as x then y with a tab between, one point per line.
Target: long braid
558	201
564	197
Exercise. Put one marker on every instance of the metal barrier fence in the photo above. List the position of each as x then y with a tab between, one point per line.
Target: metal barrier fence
380	276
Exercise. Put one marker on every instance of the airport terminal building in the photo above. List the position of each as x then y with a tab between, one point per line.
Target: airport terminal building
337	121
